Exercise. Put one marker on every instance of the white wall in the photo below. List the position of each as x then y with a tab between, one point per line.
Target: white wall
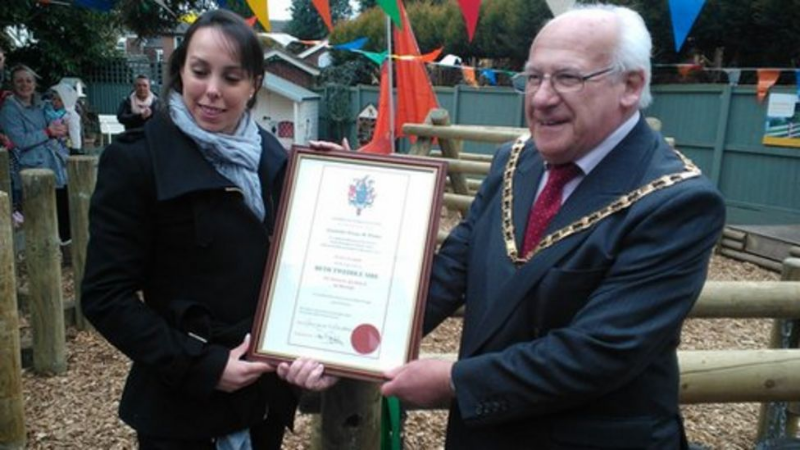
272	108
308	119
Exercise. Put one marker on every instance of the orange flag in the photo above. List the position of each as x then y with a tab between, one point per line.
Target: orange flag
259	8
766	78
324	10
415	96
469	75
381	142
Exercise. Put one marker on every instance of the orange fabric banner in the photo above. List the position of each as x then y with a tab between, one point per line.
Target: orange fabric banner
766	78
251	21
381	140
324	10
469	75
415	96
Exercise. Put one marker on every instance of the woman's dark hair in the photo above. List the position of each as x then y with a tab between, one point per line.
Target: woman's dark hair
245	45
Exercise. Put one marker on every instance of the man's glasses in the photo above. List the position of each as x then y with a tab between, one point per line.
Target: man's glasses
561	82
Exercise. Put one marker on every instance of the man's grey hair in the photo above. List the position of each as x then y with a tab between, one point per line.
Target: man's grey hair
634	44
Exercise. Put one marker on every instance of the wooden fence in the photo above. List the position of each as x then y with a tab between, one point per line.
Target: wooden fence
350	411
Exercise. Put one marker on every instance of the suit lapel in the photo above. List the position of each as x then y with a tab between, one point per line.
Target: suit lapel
526	180
621	171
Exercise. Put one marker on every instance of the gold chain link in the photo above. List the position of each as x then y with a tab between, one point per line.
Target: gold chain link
585	222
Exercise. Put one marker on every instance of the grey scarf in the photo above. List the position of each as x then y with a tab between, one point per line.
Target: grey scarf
235	156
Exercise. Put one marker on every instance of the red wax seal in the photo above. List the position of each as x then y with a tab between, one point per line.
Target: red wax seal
365	339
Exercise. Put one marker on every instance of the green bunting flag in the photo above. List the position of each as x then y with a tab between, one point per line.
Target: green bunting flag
391	9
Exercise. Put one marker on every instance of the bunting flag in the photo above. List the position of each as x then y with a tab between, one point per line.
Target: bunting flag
260	9
559	6
469	75
683	13
251	21
491	76
766	78
797	77
470	9
426	58
381	142
324	10
686	69
391	9
733	76
356	44
415	93
377	58
189	18
102	5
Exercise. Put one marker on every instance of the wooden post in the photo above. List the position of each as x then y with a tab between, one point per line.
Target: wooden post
351	416
44	272
12	418
5	174
778	419
82	173
451	148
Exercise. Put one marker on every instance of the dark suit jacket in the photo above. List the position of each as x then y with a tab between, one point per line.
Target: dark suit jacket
164	222
577	348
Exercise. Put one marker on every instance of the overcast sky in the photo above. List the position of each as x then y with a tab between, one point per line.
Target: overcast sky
280	9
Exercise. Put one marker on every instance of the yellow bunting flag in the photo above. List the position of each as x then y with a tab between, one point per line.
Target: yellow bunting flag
260	9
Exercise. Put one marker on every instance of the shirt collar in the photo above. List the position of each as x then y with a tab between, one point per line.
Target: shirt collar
590	160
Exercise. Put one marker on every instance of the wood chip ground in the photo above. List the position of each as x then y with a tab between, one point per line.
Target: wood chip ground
78	410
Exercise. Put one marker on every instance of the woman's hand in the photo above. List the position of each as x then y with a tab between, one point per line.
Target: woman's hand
57	129
240	373
325	146
307	374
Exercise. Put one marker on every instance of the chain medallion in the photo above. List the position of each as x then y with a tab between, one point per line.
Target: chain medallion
623	202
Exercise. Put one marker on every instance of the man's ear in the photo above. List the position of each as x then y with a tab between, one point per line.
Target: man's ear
634	84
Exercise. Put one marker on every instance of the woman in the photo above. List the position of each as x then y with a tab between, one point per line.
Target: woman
183	212
138	107
35	142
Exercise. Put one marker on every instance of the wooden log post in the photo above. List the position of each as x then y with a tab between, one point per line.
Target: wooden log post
451	148
5	174
12	418
351	416
42	258
777	420
82	172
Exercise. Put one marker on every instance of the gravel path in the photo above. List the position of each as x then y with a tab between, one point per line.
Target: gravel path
77	410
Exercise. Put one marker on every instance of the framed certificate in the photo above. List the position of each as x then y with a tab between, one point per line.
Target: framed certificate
347	275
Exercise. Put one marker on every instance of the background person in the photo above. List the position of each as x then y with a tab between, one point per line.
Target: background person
61	107
183	211
34	141
572	345
138	107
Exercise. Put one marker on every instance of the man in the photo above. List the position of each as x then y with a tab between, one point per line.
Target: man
571	342
138	107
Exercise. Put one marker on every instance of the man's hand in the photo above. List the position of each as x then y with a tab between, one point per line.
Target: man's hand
325	146
424	383
146	112
239	373
307	374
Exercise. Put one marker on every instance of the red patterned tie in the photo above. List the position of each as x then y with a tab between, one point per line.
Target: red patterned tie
548	203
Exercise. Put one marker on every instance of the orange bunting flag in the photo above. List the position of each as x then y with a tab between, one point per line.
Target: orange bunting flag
426	58
415	96
469	75
766	78
251	21
470	10
686	69
381	142
259	8
324	10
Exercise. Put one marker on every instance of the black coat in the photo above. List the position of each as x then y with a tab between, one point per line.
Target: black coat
164	222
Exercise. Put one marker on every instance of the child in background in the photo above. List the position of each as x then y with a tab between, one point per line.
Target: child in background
61	108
